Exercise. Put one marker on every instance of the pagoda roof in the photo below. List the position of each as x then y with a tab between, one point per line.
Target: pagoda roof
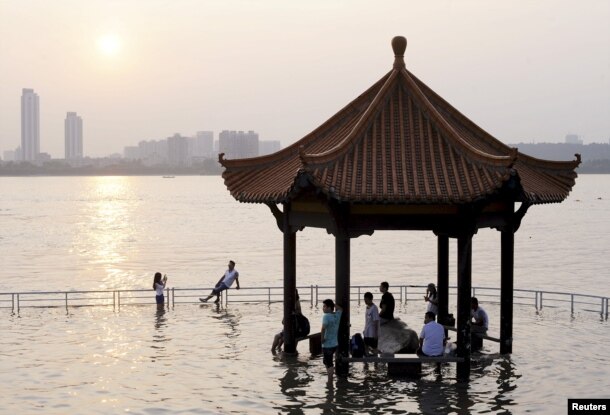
401	143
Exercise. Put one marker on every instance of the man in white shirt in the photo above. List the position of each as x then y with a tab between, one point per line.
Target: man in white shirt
480	321
432	337
371	324
224	283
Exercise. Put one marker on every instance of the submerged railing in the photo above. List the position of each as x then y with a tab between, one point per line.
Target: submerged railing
312	294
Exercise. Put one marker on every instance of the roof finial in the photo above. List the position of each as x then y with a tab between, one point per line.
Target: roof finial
399	44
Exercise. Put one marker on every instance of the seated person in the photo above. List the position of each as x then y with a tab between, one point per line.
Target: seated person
432	337
480	321
387	304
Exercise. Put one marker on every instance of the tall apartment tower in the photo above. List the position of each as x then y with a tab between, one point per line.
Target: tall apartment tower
238	144
30	125
73	136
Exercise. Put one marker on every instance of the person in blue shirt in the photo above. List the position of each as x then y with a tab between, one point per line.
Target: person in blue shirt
329	334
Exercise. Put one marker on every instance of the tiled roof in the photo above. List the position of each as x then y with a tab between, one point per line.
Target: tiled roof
398	142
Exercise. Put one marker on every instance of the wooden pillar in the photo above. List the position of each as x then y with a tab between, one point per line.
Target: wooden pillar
342	297
290	271
506	290
442	281
464	271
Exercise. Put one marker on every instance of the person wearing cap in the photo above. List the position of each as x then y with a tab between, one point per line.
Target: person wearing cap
431	298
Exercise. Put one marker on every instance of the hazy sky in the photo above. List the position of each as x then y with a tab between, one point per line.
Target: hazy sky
146	69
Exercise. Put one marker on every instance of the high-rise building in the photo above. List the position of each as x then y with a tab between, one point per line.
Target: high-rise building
30	125
268	147
237	144
203	144
73	136
177	150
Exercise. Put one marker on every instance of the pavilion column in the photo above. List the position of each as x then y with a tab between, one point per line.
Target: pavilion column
342	297
290	272
442	282
463	304
506	290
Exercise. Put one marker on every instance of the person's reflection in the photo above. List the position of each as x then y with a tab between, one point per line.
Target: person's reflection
506	384
159	338
232	321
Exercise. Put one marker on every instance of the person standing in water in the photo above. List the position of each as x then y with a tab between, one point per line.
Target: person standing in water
159	284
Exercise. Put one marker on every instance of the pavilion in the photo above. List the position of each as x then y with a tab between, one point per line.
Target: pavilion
400	157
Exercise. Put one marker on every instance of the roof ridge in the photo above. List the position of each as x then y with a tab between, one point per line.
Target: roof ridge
365	119
428	108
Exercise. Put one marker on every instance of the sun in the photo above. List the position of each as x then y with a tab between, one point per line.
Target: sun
109	44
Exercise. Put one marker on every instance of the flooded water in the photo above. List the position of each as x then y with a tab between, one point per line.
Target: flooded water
115	232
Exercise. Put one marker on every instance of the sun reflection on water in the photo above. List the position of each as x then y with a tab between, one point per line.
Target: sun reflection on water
106	239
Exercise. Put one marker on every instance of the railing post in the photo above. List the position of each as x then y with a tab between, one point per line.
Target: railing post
18	305
269	294
311	294
606	308
358	295
405	300
541	300
536	299
572	303
66	301
601	314
173	298
12	303
317	293
114	300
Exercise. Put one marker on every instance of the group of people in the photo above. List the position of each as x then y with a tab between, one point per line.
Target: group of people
432	339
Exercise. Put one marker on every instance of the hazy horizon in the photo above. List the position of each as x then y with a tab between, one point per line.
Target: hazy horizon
141	70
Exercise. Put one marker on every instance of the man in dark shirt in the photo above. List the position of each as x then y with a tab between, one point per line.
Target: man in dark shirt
386	306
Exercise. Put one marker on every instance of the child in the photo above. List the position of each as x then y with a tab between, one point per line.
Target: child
159	285
371	325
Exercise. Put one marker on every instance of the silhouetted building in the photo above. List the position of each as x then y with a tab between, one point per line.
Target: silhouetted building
268	147
177	150
237	144
73	136
202	145
573	139
30	125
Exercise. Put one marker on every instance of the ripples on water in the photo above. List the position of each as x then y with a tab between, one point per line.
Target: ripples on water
204	359
115	232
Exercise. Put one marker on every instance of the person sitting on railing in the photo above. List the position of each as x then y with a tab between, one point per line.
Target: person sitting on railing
432	337
159	285
224	283
480	321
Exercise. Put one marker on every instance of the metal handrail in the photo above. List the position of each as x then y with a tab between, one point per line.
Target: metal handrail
406	293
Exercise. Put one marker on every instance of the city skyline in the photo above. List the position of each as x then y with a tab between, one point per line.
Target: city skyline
143	70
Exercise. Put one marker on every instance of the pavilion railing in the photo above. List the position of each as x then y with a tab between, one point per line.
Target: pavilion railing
312	294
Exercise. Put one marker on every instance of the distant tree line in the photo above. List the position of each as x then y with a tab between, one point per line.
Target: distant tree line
595	157
118	167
